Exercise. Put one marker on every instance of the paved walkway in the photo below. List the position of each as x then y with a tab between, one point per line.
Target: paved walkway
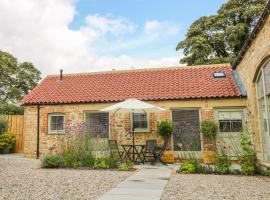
146	184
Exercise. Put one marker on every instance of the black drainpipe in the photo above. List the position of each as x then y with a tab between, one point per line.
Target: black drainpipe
38	110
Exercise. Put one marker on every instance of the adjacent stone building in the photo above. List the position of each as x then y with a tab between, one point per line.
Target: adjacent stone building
253	67
189	95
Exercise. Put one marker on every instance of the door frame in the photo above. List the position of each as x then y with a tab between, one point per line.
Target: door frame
242	110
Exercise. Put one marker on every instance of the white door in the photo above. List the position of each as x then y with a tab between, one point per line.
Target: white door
230	125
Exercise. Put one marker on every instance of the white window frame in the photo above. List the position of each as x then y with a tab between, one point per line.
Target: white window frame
140	130
240	110
261	73
49	124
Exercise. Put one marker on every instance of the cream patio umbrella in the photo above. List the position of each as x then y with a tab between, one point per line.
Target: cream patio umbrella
132	106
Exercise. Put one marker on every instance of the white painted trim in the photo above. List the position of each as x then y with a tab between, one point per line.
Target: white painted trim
228	109
140	130
60	132
261	72
258	108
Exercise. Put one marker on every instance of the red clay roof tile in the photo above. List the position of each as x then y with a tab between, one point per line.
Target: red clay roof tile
147	84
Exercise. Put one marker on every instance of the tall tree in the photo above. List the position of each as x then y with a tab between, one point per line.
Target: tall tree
16	79
219	38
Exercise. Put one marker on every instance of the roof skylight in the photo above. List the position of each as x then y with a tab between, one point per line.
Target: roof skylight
219	74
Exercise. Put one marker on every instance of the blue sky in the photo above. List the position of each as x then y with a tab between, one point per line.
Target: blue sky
97	35
179	12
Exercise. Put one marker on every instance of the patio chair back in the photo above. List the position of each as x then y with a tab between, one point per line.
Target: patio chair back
113	145
151	146
114	150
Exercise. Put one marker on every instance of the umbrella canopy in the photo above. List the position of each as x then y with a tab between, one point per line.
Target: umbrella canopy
132	105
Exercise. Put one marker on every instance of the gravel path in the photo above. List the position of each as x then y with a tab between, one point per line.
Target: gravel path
21	178
216	187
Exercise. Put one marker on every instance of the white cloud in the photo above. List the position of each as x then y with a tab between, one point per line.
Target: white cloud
110	24
38	31
156	27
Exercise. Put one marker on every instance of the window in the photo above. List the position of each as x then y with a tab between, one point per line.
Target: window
97	124
140	122
263	101
219	75
230	121
56	123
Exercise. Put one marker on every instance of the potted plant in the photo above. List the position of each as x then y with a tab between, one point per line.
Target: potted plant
165	130
7	142
209	129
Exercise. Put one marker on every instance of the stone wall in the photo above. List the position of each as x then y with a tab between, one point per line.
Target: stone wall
119	122
248	68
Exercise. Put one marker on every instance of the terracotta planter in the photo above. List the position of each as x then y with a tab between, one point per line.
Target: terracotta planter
209	151
168	157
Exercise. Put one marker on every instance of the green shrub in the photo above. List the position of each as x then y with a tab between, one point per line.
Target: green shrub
10	109
205	169
235	171
247	155
77	151
3	125
165	128
262	170
209	129
223	165
125	166
105	163
7	141
52	161
189	168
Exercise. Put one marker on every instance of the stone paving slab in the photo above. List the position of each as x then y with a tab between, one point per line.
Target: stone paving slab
146	184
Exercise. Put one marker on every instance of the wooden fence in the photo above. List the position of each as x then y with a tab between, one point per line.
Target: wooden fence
16	124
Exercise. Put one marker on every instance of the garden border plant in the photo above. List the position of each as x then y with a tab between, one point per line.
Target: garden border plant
78	150
246	156
7	139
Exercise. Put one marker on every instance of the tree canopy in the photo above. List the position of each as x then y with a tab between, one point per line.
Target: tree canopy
219	38
16	79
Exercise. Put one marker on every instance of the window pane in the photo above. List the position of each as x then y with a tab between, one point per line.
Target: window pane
260	91
236	126
53	127
225	126
56	123
267	92
140	120
53	119
263	115
267	78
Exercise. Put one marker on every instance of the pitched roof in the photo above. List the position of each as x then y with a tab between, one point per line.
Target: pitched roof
146	84
253	34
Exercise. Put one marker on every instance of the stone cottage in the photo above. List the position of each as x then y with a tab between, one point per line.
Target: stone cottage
253	66
189	95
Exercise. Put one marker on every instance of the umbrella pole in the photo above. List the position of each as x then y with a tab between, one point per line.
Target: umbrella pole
133	134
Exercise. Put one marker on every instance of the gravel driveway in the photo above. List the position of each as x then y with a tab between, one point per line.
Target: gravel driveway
216	187
22	178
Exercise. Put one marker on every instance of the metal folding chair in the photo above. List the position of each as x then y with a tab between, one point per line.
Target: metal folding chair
149	153
114	149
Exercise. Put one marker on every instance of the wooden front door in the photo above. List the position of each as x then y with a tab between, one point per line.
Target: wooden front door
186	137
